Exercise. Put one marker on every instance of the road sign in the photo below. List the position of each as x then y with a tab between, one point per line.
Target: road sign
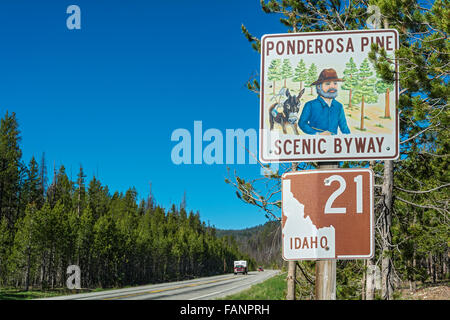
328	214
322	99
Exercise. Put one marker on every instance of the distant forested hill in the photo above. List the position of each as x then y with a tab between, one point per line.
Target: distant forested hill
262	243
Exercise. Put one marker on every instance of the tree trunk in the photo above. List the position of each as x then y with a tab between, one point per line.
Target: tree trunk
292	266
43	273
386	236
370	280
350	98
363	285
432	268
445	263
51	268
27	271
412	283
370	267
361	126
387	107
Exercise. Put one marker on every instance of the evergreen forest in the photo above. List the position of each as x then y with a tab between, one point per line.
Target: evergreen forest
116	239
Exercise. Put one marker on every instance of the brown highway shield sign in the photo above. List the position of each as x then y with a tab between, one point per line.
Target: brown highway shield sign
328	214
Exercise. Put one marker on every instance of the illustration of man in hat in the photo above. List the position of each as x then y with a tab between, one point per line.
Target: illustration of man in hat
324	115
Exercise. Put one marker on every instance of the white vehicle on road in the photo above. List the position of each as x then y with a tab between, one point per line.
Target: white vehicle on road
240	267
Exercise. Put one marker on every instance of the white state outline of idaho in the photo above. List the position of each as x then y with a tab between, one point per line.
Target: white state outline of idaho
299	226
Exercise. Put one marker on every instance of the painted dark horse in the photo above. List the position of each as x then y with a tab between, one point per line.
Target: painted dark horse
286	112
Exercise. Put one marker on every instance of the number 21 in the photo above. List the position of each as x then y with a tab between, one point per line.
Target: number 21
342	186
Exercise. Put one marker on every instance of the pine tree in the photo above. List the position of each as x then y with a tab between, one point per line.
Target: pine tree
382	86
85	251
63	189
106	247
350	79
183	202
43	176
10	168
364	90
80	192
32	186
300	74
97	198
312	76
275	73
24	254
286	71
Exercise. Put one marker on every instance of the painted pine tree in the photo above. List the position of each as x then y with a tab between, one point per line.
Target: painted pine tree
382	86
286	71
312	76
300	73
364	90
350	79
274	73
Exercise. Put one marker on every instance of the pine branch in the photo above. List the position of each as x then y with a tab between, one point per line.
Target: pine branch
421	206
422	192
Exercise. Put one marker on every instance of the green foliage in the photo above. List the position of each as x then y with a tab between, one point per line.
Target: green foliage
350	75
365	85
350	78
312	75
275	72
286	70
255	42
381	86
300	73
10	168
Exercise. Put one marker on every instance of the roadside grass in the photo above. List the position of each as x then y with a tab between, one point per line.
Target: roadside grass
18	294
271	289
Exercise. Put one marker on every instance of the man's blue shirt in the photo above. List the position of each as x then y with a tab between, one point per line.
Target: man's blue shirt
318	117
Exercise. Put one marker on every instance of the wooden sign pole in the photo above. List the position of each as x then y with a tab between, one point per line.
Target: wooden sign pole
292	266
326	279
326	269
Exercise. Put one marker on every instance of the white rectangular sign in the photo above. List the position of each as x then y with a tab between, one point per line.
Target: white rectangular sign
322	99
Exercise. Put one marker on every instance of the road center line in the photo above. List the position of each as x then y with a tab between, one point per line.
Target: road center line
218	292
168	289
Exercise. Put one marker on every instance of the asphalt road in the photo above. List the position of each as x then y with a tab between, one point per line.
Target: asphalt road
209	288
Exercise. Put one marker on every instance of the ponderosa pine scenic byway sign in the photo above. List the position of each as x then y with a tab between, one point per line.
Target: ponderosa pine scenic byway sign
328	214
322	100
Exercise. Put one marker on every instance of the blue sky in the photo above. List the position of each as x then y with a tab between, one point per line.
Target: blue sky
110	95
